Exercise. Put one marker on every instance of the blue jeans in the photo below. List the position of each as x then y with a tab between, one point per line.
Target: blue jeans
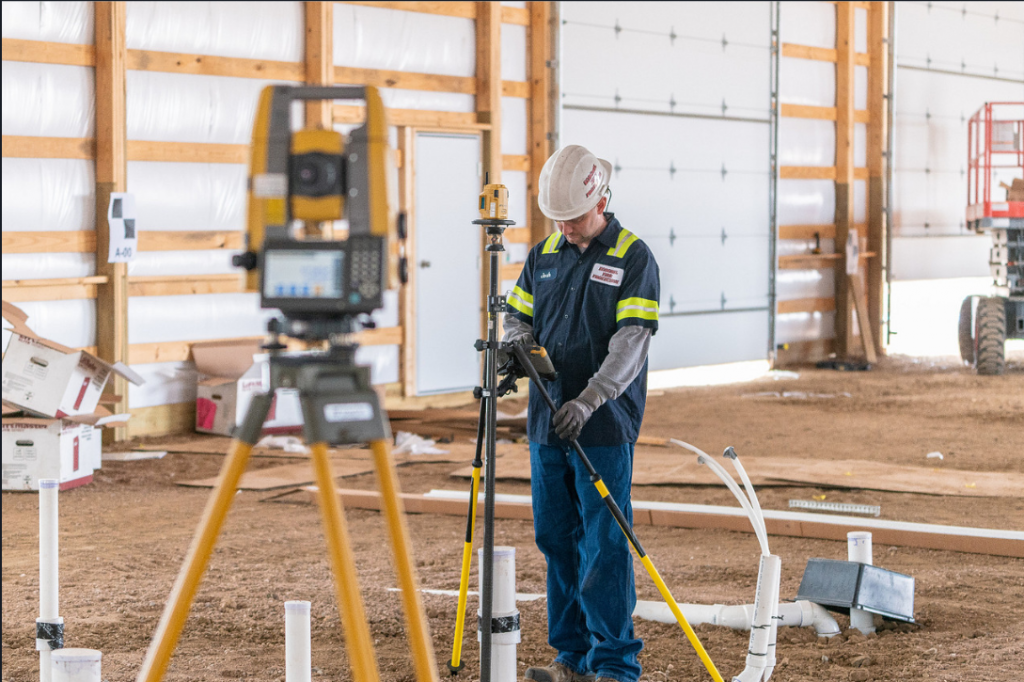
591	592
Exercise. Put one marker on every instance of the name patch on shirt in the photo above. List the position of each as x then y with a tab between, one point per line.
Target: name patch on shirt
606	274
546	275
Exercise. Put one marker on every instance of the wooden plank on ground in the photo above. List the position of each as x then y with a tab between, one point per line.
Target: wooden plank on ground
782	523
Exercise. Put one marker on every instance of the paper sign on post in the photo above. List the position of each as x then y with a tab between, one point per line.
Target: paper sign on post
852	253
124	241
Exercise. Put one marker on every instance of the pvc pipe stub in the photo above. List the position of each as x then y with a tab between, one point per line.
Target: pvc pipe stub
76	665
296	606
74	655
49	484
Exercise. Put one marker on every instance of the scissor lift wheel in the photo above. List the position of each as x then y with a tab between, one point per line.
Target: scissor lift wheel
990	335
967	330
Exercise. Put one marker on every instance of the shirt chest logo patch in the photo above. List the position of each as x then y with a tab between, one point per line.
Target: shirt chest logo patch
546	275
606	274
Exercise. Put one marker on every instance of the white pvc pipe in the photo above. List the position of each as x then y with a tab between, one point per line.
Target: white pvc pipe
719	470
49	586
503	644
770	659
761	625
76	665
749	486
858	548
298	661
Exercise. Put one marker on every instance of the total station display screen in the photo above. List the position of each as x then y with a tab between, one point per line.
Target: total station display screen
303	273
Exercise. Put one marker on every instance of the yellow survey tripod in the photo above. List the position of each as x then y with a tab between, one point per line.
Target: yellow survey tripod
326	290
527	368
338	405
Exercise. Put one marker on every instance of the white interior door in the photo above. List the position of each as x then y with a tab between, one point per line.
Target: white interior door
448	256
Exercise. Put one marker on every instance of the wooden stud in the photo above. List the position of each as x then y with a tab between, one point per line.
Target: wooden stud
542	99
822	113
42	52
319	58
210	65
878	35
845	27
416	118
189	240
515	89
62	289
407	295
817	173
807	231
807	305
178	285
72	241
30	147
515	162
515	15
821	54
488	110
111	176
187	152
407	80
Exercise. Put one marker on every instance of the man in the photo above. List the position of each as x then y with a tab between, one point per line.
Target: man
589	295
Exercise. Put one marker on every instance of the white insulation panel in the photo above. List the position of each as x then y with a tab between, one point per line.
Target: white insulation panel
58	22
251	30
50	100
188	196
72	323
368	38
951	59
49	195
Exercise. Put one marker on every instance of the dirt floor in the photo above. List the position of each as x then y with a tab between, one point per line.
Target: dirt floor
124	536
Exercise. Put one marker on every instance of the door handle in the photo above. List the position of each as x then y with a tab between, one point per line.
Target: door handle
424	264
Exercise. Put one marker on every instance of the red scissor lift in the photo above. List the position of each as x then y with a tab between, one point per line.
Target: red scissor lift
995	147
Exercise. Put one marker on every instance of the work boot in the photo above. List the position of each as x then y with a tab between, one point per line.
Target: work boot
556	672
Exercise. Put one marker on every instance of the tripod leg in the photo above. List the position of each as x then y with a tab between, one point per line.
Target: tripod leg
350	604
456	664
185	587
415	617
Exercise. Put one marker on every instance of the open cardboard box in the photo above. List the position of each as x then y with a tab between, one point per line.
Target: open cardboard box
68	449
231	373
49	379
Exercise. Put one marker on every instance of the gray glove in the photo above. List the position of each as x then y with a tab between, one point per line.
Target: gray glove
571	417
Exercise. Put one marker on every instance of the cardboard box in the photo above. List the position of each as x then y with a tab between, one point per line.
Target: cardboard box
1015	191
49	379
35	448
231	373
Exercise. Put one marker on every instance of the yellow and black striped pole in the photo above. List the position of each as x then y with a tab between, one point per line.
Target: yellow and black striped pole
620	518
455	665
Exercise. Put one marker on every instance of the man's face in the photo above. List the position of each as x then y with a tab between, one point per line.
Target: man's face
581	230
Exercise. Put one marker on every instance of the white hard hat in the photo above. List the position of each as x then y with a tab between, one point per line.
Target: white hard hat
572	181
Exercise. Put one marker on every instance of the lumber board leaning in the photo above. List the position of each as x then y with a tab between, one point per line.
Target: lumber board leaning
793	524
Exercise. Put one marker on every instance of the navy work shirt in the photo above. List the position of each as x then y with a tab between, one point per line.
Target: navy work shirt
576	302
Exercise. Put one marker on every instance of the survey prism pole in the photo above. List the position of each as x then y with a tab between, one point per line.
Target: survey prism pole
49	625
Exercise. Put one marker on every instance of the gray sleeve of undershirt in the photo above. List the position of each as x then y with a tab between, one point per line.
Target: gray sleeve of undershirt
627	352
516	329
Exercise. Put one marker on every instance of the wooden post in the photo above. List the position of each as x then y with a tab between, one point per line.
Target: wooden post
319	59
878	87
407	297
111	176
539	129
845	62
488	110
